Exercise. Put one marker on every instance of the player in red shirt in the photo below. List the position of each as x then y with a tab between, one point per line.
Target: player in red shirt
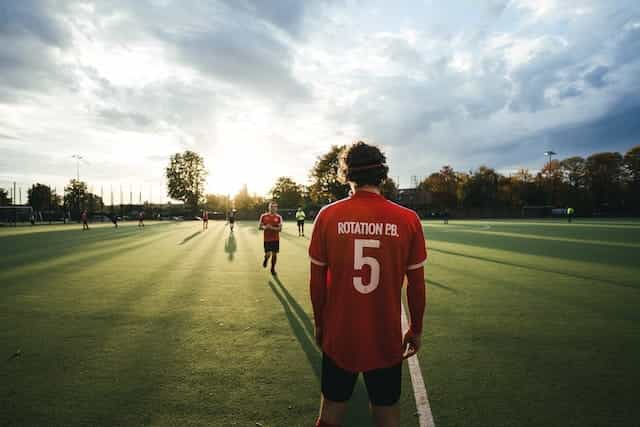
205	219
271	223
84	216
361	249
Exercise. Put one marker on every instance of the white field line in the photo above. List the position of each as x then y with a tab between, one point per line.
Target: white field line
425	418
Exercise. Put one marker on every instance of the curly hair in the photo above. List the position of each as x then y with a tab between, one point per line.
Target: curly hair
363	164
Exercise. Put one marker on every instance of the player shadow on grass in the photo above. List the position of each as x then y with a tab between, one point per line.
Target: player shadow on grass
554	246
304	332
230	246
29	247
529	267
190	236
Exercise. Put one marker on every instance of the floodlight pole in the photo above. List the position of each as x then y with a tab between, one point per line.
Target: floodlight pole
78	158
550	154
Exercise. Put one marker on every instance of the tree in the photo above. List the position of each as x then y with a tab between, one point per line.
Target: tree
185	178
551	182
248	205
632	167
604	176
573	172
482	188
78	198
632	164
525	189
443	186
389	189
325	186
287	193
218	202
75	196
40	197
5	200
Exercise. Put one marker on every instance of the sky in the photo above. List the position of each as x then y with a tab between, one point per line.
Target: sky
262	88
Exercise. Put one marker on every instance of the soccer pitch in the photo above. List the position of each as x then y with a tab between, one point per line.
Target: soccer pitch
528	323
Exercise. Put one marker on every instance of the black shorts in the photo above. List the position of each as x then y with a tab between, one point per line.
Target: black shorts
383	385
300	222
231	220
273	246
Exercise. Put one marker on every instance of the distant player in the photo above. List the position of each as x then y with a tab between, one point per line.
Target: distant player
84	216
205	219
300	216
271	223
570	213
361	249
445	216
232	219
141	219
114	220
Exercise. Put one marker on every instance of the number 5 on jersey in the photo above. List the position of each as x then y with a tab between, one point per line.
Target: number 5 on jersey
359	261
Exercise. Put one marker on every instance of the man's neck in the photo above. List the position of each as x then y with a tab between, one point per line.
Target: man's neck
369	188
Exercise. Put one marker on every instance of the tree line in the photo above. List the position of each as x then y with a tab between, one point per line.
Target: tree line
603	183
48	204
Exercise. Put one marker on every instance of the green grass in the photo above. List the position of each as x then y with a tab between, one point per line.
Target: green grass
528	323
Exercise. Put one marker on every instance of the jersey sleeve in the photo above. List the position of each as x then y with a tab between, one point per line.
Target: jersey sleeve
417	246
318	247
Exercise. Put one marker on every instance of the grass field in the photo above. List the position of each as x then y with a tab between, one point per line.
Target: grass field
528	324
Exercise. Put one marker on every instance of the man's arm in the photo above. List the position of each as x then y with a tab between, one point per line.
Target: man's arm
416	299
279	226
261	225
318	288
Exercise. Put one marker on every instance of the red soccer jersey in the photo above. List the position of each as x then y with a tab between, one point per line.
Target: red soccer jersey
273	220
367	243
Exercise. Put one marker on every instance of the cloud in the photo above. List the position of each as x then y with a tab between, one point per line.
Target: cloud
596	76
125	120
247	58
493	82
33	33
247	45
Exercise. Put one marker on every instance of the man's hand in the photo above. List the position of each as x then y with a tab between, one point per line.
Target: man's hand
319	337
410	344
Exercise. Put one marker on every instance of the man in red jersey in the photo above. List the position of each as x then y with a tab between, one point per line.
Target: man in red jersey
271	223
361	249
84	216
205	219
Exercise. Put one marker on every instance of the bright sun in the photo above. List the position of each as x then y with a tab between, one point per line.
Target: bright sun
235	165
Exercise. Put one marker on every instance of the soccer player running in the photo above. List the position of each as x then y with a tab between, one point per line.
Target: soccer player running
271	223
232	219
300	216
361	249
205	219
141	219
84	216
